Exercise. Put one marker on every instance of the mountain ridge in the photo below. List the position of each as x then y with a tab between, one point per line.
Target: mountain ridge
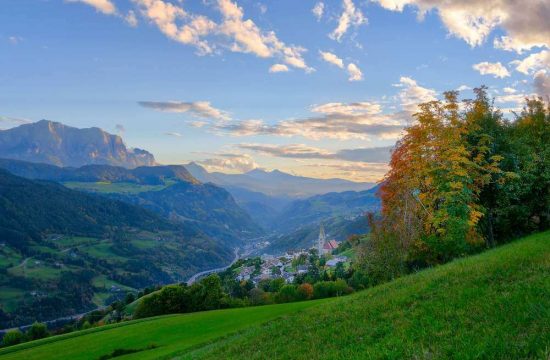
55	143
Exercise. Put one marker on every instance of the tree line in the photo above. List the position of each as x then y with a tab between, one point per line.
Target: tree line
462	178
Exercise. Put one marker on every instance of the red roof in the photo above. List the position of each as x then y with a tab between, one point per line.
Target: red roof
330	245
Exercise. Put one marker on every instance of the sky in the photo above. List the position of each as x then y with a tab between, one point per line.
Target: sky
314	88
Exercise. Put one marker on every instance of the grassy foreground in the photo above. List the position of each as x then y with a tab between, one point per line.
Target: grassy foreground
491	306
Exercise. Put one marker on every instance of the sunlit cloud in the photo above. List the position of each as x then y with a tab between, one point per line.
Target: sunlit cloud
525	22
105	6
278	68
496	69
355	73
318	10
202	109
332	59
351	16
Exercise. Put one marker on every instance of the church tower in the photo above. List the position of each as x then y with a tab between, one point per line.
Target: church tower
321	241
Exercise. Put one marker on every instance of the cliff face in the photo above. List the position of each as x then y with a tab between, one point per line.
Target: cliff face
54	143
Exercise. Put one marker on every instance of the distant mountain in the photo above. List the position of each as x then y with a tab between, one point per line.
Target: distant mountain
276	183
57	144
315	209
167	190
64	251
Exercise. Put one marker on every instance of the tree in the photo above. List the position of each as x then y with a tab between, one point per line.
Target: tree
13	337
37	331
305	291
287	293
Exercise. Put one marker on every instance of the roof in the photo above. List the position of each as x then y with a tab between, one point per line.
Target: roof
330	245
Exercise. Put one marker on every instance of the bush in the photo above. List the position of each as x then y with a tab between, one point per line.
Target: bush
288	293
305	291
13	337
324	289
37	331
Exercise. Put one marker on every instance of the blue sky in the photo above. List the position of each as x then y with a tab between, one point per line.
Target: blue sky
197	80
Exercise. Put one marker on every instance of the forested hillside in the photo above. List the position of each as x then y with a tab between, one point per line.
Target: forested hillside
64	251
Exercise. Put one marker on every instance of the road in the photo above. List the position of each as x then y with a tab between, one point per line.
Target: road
198	275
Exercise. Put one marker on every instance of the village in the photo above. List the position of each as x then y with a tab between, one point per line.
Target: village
292	263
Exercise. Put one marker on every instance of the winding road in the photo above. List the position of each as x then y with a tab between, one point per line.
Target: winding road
198	275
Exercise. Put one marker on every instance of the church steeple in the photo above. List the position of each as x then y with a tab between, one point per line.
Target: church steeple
321	240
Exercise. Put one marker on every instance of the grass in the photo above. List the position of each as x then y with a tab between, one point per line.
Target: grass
119	187
170	335
491	306
495	305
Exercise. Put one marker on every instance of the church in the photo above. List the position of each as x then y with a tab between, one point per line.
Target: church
325	246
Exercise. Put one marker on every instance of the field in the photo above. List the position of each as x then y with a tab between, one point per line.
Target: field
491	306
119	187
171	334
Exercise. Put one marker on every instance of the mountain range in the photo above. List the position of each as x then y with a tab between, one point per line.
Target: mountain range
170	191
58	144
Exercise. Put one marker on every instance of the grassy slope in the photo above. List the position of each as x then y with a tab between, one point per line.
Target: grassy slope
494	305
172	334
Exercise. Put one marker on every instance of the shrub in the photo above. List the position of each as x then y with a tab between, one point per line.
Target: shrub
37	331
13	337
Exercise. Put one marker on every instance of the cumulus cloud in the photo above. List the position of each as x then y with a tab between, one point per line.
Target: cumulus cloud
302	151
354	72
464	87
233	32
413	94
351	16
104	6
202	109
496	69
318	10
541	83
533	62
525	22
230	162
509	90
278	68
332	59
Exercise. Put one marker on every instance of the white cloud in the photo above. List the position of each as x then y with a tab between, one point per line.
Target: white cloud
278	68
464	88
173	133
413	94
332	59
230	163
541	83
233	32
201	109
351	16
509	90
356	108
318	10
355	73
131	18
496	69
104	6
525	22
533	62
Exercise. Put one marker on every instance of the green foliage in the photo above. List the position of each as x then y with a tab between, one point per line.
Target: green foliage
13	337
324	289
37	331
